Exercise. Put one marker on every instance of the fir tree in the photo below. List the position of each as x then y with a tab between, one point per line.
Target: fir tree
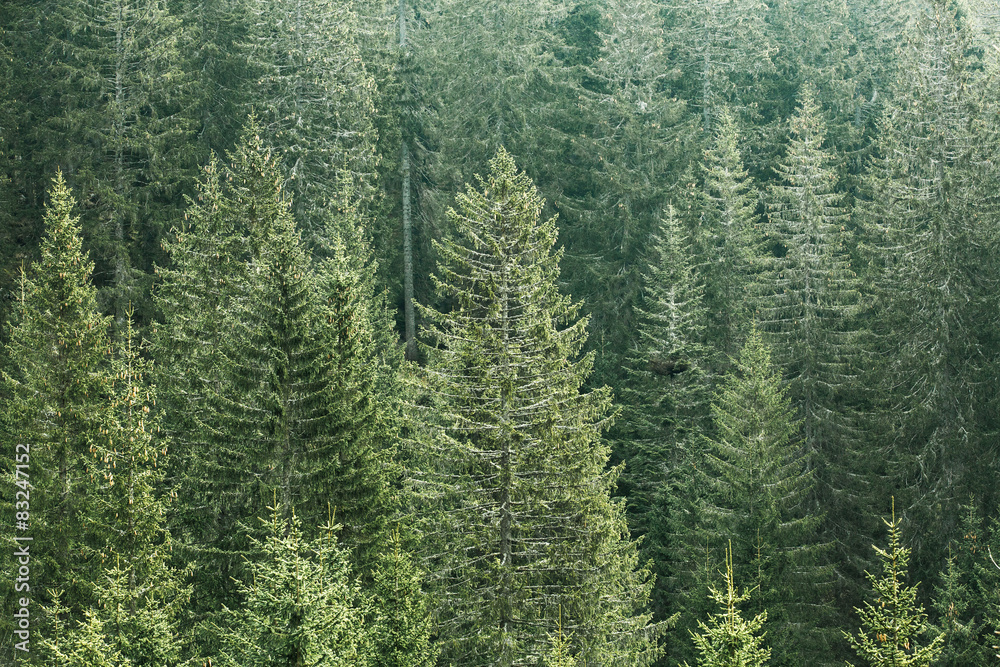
516	507
54	402
729	640
890	626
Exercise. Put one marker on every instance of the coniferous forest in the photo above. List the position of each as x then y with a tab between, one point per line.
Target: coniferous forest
536	333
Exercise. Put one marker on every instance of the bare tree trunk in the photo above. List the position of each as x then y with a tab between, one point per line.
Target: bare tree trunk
408	314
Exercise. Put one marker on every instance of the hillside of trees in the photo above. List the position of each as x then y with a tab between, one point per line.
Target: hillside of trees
584	333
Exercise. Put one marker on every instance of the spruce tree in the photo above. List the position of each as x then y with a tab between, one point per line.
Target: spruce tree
400	620
892	624
728	639
967	599
808	309
724	211
627	128
302	606
139	595
114	117
520	527
725	47
930	217
290	389
54	404
315	98
666	409
758	482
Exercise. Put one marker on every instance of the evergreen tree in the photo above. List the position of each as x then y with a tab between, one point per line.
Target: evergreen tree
808	309
666	408
724	50
629	127
400	625
758	482
729	640
315	98
559	652
930	216
517	513
727	224
968	597
139	596
890	626
293	393
54	402
301	607
114	116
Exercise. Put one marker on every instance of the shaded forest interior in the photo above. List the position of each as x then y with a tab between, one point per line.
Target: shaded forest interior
599	333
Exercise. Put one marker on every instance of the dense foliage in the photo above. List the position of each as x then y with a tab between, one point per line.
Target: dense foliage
279	386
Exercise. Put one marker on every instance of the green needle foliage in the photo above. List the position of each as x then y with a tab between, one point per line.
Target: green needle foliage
757	483
301	609
289	387
666	407
315	98
891	625
400	618
726	221
515	505
728	639
114	116
55	399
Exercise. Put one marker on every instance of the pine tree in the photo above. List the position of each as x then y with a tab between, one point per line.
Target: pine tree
758	483
54	397
301	607
515	501
729	640
890	626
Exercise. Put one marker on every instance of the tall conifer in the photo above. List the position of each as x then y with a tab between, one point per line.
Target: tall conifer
520	526
54	391
758	486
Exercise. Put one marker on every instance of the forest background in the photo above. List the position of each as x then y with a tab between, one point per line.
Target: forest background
293	385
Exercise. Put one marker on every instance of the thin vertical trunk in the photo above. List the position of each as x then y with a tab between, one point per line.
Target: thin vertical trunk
121	260
408	314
